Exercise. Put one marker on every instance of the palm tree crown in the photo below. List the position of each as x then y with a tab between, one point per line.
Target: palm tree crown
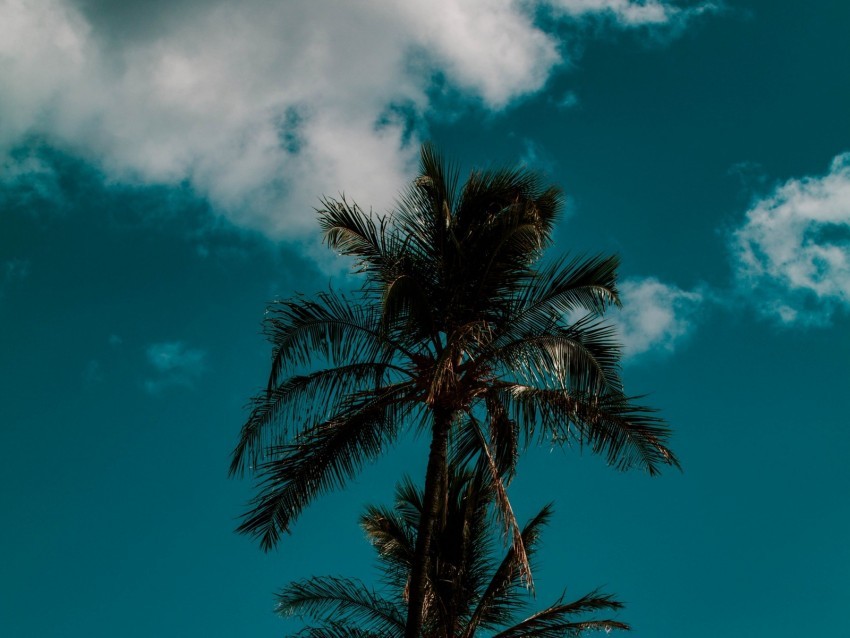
469	591
458	330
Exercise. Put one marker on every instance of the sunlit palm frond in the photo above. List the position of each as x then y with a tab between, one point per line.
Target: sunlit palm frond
629	434
583	357
554	295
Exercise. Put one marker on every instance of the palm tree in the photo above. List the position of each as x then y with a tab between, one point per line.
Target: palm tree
459	329
468	592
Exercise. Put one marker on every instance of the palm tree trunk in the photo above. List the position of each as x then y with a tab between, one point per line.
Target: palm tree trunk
435	485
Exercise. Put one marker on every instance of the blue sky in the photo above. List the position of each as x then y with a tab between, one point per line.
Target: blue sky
159	164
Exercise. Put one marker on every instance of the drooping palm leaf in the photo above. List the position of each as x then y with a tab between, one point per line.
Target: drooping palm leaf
309	398
322	458
503	599
555	621
341	600
627	433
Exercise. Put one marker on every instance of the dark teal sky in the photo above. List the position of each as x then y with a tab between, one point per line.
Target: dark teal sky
157	173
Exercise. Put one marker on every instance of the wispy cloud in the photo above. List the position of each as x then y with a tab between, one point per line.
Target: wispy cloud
568	100
12	271
536	157
656	317
262	107
636	13
174	364
28	180
93	373
792	252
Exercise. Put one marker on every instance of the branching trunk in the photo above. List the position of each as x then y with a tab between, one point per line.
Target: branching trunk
435	486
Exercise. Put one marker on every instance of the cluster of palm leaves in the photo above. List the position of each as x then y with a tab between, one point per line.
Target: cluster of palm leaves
460	329
467	590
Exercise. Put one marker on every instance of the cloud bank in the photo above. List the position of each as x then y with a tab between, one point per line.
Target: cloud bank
261	107
792	252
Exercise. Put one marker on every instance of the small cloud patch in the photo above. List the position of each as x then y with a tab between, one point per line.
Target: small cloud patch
792	252
655	316
568	100
636	13
535	157
175	365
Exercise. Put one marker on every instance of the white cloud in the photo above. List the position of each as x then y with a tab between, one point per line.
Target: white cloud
635	13
174	364
792	253
655	316
262	107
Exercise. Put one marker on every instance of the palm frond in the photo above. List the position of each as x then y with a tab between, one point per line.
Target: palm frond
330	327
408	502
393	537
555	622
303	400
441	176
405	307
486	194
322	458
551	296
504	595
503	506
629	434
424	213
349	231
583	357
340	600
341	630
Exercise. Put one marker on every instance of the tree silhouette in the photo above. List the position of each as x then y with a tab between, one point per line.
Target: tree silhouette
459	329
